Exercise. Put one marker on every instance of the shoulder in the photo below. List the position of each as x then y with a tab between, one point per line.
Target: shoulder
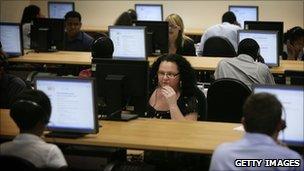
87	37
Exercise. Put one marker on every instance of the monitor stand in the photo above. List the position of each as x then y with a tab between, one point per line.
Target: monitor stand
54	134
118	116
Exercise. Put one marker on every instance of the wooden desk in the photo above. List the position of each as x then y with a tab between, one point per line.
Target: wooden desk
152	134
84	58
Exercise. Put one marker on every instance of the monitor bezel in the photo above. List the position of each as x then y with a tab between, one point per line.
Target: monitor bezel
263	32
10	54
157	5
95	130
56	2
282	87
131	28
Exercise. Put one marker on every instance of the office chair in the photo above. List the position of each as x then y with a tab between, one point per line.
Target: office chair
16	163
294	77
202	112
225	99
218	46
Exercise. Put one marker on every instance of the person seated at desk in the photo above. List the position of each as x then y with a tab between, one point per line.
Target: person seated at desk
10	85
228	29
179	43
31	112
76	40
244	67
126	18
174	94
262	123
294	44
29	14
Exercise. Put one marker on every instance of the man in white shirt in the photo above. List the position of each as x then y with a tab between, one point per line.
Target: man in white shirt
31	112
228	29
262	123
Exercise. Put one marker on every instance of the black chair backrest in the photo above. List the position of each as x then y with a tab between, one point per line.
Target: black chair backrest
218	46
225	99
16	163
294	77
202	111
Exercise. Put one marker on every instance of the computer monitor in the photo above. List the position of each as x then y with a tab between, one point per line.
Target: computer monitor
292	100
268	42
11	39
59	9
73	104
268	25
157	36
47	34
149	12
122	84
245	13
129	42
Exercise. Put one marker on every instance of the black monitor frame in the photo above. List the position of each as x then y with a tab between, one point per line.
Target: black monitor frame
268	25
122	84
158	36
73	132
63	3
13	54
262	31
151	5
246	6
47	34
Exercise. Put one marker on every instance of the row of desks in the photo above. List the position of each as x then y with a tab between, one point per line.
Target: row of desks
84	58
147	134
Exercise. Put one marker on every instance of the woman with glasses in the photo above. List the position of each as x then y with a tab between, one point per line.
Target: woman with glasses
174	93
179	43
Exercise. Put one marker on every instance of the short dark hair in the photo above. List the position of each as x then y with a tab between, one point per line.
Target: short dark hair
186	73
29	108
262	113
30	13
124	19
102	47
294	34
229	17
250	47
132	14
72	14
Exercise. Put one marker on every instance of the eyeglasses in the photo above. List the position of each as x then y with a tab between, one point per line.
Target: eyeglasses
172	26
168	74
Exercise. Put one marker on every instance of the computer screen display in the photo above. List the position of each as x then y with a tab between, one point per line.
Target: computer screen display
59	9
129	42
11	39
245	13
149	12
157	36
73	104
47	34
292	100
268	42
268	25
122	84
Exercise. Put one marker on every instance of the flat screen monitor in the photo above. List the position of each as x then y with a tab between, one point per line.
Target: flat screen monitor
73	104
59	9
122	85
268	25
157	36
292	100
149	12
47	34
268	42
245	13
11	39
129	42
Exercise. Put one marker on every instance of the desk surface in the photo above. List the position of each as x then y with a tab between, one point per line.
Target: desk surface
152	134
84	58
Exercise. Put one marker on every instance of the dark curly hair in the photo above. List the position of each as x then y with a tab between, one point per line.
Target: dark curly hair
186	73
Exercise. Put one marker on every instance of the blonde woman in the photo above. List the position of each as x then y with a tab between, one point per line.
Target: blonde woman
179	43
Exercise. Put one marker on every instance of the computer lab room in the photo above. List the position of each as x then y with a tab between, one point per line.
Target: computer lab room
151	85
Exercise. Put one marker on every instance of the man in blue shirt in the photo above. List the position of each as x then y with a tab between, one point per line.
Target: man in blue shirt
259	148
76	40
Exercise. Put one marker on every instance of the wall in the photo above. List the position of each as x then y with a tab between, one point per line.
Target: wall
196	14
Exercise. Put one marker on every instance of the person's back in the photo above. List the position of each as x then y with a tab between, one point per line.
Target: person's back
244	67
227	28
262	122
31	112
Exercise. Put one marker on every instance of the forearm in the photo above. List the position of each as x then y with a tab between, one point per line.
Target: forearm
175	113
